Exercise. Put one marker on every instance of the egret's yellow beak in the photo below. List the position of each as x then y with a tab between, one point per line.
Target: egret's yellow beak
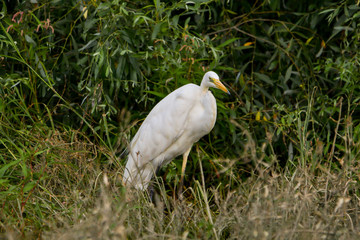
219	85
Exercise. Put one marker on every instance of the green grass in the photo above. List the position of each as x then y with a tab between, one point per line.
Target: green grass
54	187
58	184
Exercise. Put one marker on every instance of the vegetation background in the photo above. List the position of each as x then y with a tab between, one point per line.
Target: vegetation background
78	77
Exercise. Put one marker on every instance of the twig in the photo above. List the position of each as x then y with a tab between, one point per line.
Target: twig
204	193
336	131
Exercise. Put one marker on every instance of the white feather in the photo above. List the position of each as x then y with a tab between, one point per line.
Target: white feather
171	128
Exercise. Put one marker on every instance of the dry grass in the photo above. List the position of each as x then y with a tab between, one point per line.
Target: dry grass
82	198
271	206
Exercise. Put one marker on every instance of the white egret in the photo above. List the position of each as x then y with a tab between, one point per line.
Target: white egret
171	128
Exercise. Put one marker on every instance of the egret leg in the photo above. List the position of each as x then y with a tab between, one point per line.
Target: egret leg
185	157
151	188
151	192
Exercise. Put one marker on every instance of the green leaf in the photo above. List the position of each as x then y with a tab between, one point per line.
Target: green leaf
264	78
30	40
288	73
29	186
89	24
7	166
158	94
175	20
309	40
90	44
156	30
227	42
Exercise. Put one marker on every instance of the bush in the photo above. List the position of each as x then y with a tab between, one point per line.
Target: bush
79	77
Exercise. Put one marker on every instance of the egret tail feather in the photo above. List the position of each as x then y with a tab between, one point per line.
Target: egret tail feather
137	176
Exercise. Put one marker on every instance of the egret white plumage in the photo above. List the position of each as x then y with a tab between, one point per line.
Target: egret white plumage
171	128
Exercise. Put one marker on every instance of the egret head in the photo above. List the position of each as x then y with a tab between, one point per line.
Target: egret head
211	79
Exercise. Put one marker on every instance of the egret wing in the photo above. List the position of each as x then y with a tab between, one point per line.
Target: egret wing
164	125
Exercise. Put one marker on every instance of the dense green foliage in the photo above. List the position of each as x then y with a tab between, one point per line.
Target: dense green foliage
78	77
